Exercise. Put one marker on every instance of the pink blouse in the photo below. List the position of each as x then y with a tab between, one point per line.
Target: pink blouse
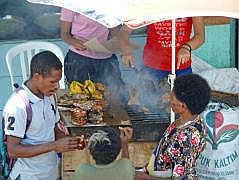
85	29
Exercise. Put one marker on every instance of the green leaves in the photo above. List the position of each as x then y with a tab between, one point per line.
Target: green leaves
228	136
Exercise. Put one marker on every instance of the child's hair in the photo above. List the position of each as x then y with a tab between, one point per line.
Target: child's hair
194	91
104	145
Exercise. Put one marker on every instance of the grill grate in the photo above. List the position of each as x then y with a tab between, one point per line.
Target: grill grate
160	115
148	126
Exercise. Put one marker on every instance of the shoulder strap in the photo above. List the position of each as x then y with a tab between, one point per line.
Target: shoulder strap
55	98
22	93
60	124
7	163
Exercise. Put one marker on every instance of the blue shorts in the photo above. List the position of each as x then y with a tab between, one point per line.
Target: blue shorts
80	68
151	92
157	75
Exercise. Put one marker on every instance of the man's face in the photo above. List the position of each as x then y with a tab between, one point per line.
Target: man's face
49	84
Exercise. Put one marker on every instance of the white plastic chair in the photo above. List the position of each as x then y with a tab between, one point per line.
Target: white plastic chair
25	51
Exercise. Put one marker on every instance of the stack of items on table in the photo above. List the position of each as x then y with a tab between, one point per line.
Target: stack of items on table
85	101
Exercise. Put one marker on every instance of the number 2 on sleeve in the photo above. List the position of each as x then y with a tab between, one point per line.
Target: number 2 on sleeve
11	121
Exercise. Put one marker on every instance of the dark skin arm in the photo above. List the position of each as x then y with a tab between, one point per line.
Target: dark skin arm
18	150
63	144
196	41
125	135
122	34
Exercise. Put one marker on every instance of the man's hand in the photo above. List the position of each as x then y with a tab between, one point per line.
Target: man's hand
184	56
68	144
128	60
82	142
78	44
125	134
125	45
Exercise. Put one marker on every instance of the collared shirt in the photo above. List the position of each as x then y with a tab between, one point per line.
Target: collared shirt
41	130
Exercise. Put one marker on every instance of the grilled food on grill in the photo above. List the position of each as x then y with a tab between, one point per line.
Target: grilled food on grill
78	116
76	87
86	102
97	95
89	86
99	86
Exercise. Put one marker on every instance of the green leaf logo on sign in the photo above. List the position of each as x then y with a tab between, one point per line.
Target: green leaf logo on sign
219	134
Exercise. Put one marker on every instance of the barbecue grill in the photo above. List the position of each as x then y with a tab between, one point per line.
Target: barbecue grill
148	126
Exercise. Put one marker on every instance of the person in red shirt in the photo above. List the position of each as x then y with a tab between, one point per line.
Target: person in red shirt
157	54
157	51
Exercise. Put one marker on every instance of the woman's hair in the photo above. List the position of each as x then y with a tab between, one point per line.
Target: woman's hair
194	91
44	62
104	145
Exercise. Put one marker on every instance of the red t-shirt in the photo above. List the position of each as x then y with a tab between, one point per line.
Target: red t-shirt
157	51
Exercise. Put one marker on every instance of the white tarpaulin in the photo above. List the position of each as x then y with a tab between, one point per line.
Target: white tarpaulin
222	79
138	13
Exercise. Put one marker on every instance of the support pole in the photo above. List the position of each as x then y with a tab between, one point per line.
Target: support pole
172	76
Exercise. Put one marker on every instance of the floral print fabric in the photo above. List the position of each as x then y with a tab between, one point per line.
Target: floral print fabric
179	148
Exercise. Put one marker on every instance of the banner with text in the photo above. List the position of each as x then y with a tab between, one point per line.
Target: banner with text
220	159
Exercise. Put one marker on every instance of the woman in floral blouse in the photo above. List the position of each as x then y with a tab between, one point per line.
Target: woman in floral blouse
175	155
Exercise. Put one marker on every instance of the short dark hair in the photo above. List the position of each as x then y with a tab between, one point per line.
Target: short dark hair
194	91
44	62
104	145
